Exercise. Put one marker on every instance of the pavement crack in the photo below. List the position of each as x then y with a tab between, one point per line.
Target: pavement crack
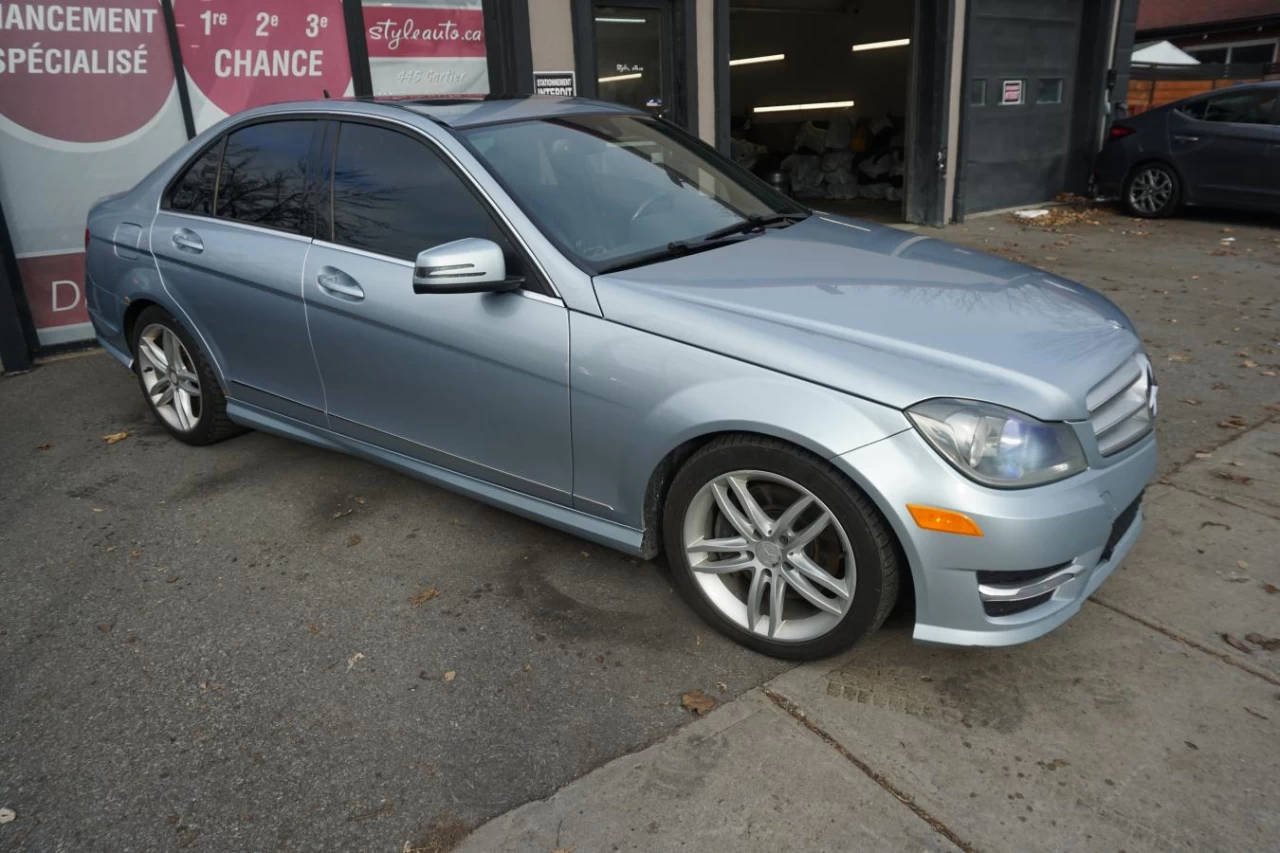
901	796
1218	499
1195	644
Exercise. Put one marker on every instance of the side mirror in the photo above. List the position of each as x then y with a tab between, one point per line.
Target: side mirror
469	265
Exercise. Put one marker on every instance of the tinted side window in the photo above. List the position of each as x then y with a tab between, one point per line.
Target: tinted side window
193	192
1239	107
264	175
392	195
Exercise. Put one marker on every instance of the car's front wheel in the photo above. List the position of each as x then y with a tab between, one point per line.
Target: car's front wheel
777	549
1152	191
178	381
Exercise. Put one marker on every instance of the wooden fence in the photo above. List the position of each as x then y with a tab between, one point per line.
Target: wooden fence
1159	85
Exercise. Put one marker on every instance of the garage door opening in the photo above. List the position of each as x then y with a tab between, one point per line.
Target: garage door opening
818	100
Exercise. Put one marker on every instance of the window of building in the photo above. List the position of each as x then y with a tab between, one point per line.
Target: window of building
1244	53
264	175
1249	107
393	196
425	47
977	92
193	192
1049	90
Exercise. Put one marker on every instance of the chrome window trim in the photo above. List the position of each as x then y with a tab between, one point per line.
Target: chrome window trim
235	223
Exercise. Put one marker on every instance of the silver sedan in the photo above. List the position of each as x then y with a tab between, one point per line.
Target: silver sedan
583	315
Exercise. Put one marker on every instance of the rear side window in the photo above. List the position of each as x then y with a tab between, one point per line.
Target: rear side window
193	192
263	179
1253	107
393	196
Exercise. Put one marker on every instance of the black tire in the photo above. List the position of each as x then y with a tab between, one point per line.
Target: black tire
212	425
872	542
1168	208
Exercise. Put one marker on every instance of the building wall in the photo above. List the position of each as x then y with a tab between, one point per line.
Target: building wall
551	35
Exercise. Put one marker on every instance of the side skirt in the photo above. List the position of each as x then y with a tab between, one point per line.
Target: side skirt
607	533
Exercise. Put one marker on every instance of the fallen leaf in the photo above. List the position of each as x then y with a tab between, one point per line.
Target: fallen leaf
697	702
450	675
1201	454
109	548
1233	478
136	553
112	438
1269	373
98	509
1235	643
354	659
105	627
206	686
586	553
1189	401
171	578
44	446
358	500
340	513
8	815
1248	362
1190	745
528	668
1271	588
424	594
313	627
1241	564
563	850
1234	422
385	810
354	539
1179	357
721	686
1267	644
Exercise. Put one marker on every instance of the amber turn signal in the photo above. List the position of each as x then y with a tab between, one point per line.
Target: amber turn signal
944	520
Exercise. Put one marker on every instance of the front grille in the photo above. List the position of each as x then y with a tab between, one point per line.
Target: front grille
1121	406
1008	608
1120	527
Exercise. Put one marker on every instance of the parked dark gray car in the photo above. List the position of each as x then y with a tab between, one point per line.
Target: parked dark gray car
1221	148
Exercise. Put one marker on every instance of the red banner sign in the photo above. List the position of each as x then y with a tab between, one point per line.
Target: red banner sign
240	55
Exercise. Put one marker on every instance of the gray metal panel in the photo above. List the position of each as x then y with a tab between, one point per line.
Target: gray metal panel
1020	154
474	381
244	295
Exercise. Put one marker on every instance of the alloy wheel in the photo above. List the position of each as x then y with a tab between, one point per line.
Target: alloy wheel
169	376
1151	190
769	555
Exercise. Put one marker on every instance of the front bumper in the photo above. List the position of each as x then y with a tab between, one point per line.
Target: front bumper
1043	552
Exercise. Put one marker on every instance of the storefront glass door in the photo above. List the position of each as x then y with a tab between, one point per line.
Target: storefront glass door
633	55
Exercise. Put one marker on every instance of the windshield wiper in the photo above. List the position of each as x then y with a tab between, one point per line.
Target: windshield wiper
676	248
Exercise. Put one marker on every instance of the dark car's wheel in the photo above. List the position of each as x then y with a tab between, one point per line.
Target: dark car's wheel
1152	190
177	380
777	549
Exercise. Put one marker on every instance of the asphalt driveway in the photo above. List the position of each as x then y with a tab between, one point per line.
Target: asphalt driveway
265	646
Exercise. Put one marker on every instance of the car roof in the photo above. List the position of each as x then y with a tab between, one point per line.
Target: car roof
469	112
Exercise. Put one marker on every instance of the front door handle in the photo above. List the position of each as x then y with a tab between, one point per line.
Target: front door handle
185	238
335	282
1182	137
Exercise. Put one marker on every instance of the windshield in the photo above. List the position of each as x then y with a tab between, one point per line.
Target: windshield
612	188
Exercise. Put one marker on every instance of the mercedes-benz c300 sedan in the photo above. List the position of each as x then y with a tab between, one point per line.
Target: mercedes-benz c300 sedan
582	314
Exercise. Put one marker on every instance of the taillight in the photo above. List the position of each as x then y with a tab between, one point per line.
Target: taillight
86	239
1120	131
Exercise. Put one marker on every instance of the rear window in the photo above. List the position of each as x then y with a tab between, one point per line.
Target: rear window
1256	106
263	179
193	191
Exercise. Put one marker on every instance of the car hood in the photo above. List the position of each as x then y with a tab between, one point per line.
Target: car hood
885	314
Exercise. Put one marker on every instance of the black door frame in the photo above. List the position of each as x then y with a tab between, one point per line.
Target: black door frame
682	70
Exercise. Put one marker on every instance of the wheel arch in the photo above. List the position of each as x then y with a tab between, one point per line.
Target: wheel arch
138	305
1149	158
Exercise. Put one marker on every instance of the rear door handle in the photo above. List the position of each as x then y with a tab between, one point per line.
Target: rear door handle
1182	137
335	282
185	238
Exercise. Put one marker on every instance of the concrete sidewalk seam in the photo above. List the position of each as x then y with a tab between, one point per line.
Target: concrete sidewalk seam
1230	440
1219	499
1195	644
796	713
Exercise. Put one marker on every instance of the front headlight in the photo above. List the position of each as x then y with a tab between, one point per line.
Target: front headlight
998	446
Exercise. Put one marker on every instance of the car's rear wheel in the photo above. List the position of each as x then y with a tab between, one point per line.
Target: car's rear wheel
777	549
1152	190
177	380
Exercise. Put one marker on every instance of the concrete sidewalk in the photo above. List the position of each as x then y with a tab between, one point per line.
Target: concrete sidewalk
1135	727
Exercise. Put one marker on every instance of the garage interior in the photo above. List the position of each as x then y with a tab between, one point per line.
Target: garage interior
794	66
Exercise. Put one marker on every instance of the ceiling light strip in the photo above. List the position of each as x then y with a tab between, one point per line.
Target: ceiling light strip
822	105
879	45
615	78
752	60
